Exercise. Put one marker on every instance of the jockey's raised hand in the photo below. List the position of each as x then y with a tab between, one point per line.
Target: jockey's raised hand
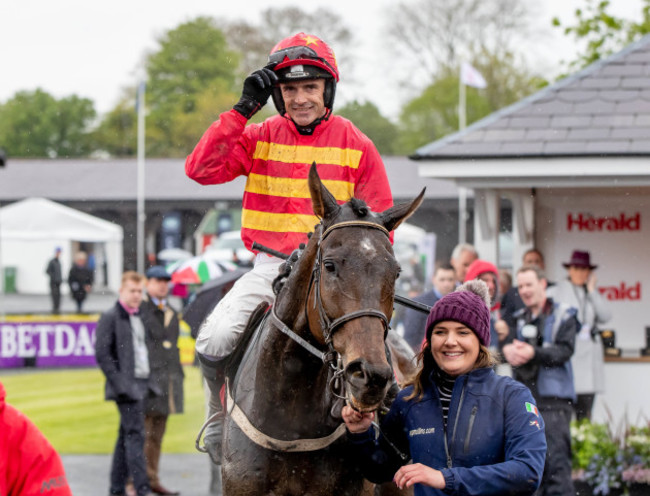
257	90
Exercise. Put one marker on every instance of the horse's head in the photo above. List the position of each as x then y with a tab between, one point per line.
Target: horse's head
351	299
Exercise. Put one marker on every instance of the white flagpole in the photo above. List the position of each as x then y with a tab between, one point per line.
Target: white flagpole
141	216
462	103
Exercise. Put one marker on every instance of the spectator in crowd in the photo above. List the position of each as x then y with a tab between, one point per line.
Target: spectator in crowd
162	324
53	271
580	291
511	301
497	446
488	273
122	354
540	355
505	281
80	279
444	279
301	76
461	258
29	464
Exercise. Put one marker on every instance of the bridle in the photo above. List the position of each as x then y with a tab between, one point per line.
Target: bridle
328	326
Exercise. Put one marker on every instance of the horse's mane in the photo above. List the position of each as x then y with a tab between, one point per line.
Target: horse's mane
359	207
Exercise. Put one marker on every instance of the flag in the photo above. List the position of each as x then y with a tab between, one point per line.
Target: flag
532	409
469	76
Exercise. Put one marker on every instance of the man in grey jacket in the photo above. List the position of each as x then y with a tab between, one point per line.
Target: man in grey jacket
540	355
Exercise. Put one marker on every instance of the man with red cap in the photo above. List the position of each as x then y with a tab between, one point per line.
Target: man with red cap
488	273
275	156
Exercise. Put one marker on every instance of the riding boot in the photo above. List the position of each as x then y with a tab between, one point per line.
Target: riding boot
214	374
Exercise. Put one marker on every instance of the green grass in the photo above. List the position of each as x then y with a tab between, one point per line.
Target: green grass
68	407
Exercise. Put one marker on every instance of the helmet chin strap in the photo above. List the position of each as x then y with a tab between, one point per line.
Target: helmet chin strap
308	130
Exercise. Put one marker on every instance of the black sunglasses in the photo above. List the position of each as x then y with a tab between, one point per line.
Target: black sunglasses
296	53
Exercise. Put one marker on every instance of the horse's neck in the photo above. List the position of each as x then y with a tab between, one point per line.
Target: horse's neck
284	389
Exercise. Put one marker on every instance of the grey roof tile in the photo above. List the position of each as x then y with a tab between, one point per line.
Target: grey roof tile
548	134
595	107
635	107
523	148
642	120
612	120
504	134
560	121
578	95
619	95
589	133
642	147
635	82
563	147
622	69
611	146
631	133
601	82
530	122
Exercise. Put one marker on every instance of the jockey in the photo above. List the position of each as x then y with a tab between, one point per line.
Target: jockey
301	76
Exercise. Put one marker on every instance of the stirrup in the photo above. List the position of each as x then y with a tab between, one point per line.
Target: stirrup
214	417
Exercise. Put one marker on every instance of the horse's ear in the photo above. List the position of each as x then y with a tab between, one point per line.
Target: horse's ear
322	200
394	216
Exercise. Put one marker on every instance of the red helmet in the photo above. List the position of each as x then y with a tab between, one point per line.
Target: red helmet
304	56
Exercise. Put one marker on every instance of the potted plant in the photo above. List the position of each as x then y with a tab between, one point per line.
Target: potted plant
610	463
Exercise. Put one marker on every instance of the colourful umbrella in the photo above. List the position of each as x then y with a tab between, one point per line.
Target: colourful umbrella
196	270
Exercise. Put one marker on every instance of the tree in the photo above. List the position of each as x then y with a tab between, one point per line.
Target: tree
368	119
117	133
434	113
193	58
255	42
602	32
434	35
35	124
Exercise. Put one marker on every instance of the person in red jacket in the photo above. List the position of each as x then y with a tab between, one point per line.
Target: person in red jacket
29	464
275	156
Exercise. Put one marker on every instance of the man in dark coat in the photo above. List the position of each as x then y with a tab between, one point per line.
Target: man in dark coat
162	325
56	278
122	354
444	278
80	279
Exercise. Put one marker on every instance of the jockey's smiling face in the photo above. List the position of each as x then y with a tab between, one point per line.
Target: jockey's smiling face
304	100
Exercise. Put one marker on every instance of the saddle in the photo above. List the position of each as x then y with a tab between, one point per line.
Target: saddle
234	360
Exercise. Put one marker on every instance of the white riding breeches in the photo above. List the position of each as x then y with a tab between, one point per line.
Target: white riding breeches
225	325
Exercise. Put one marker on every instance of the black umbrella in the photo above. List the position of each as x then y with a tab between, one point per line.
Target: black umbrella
208	296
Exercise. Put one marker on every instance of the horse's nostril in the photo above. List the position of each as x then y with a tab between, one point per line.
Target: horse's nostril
363	374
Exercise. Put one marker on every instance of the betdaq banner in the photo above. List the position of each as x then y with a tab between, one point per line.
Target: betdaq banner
53	343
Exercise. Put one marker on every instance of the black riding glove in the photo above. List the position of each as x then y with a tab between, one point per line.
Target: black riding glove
257	90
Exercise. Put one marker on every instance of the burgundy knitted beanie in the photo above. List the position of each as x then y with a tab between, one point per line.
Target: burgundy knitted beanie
468	304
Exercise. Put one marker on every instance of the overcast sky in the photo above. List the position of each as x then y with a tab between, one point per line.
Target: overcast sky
93	49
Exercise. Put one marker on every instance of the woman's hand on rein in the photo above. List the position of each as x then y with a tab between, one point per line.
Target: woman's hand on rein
355	421
416	473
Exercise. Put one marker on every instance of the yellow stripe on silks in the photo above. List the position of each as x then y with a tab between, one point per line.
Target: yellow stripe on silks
265	221
291	154
295	188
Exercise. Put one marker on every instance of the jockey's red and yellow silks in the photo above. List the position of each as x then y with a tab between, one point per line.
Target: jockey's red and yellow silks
277	210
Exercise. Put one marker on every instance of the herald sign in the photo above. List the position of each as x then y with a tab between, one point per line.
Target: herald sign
51	344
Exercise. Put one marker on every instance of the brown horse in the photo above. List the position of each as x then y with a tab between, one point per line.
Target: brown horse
322	344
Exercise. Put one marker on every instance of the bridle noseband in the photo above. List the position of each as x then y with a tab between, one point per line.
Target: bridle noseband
329	327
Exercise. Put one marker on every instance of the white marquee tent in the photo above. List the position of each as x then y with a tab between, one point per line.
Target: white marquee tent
31	229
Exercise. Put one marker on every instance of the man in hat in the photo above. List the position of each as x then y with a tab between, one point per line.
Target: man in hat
161	322
579	290
54	273
540	355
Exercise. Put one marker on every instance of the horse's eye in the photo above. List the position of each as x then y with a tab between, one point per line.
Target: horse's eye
329	266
